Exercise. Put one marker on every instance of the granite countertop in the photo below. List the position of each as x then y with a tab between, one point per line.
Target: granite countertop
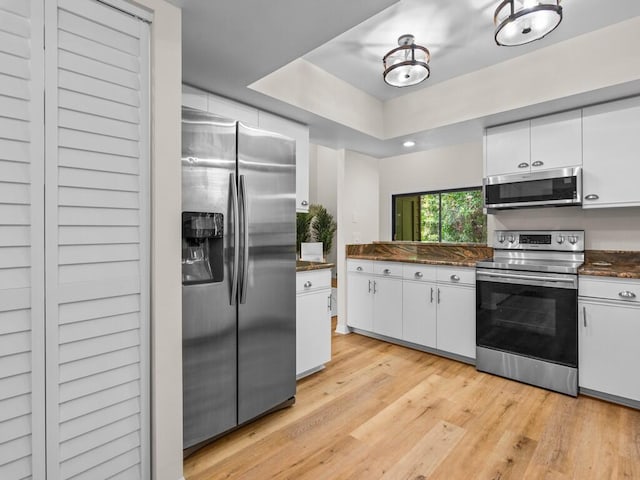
459	255
304	266
611	263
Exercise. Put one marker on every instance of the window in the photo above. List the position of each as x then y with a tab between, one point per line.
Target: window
446	216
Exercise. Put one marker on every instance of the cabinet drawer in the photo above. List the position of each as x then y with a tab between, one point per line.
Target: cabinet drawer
610	288
415	271
360	266
456	275
313	280
388	269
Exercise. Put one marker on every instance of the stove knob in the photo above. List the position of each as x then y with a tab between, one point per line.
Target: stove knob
560	239
573	239
511	238
501	238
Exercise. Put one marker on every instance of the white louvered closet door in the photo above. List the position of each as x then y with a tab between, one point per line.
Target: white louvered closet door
96	224
21	240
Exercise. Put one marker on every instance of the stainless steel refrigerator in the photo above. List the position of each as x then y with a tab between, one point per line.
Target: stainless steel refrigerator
238	274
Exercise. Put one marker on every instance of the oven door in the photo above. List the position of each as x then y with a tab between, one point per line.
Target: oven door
529	314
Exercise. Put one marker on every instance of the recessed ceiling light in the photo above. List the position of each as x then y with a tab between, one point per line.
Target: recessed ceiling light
409	143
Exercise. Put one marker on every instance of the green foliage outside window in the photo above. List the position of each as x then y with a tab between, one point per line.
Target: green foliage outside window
448	216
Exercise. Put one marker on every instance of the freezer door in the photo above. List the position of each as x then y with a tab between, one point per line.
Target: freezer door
266	311
208	312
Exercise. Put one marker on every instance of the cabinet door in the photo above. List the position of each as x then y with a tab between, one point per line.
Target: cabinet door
608	349
387	305
419	313
300	133
360	301
457	320
611	157
22	325
313	330
508	149
556	141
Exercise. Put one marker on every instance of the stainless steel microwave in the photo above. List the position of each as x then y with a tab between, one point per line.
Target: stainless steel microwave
548	188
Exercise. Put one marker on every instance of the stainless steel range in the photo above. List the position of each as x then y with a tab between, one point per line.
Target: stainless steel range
527	308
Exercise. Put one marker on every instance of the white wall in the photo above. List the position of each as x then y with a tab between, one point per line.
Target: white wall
456	166
166	297
323	185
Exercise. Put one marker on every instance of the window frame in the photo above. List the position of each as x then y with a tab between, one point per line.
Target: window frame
430	192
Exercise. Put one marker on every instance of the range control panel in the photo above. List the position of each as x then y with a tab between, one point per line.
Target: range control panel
557	240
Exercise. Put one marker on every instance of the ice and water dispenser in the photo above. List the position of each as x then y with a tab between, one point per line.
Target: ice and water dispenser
202	247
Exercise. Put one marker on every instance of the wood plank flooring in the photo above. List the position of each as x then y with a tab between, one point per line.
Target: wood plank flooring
381	411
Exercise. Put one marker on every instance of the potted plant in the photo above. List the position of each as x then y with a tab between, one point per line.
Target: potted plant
323	227
303	234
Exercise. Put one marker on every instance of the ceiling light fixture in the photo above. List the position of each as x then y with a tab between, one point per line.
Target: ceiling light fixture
407	64
409	143
523	21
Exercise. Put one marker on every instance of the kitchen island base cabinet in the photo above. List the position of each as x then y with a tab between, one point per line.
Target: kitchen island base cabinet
313	321
457	320
425	307
419	313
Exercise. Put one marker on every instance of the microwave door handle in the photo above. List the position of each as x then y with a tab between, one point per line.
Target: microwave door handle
236	238
245	241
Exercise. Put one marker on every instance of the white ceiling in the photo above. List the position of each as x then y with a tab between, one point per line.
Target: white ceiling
229	45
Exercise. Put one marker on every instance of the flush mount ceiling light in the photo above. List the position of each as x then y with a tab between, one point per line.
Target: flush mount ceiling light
408	143
523	21
407	64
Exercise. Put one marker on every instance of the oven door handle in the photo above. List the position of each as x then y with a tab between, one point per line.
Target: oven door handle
528	279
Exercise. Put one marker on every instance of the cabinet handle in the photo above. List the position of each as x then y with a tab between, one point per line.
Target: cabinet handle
591	196
431	301
523	165
369	286
308	284
584	316
304	203
455	278
374	287
386	271
537	163
359	269
438	295
329	304
627	295
418	275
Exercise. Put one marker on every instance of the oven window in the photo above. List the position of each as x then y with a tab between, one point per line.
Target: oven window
548	189
538	322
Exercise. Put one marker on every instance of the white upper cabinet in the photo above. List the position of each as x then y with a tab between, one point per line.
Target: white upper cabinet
300	133
612	154
556	141
544	143
508	149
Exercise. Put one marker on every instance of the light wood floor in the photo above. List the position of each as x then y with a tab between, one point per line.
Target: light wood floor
380	411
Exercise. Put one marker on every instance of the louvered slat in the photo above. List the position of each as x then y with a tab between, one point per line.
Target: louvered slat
97	403
97	235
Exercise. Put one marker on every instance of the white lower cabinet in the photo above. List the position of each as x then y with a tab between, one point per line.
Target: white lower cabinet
313	321
457	320
419	313
609	331
425	305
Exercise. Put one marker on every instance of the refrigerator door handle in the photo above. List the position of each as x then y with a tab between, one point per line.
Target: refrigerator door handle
245	242
236	238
